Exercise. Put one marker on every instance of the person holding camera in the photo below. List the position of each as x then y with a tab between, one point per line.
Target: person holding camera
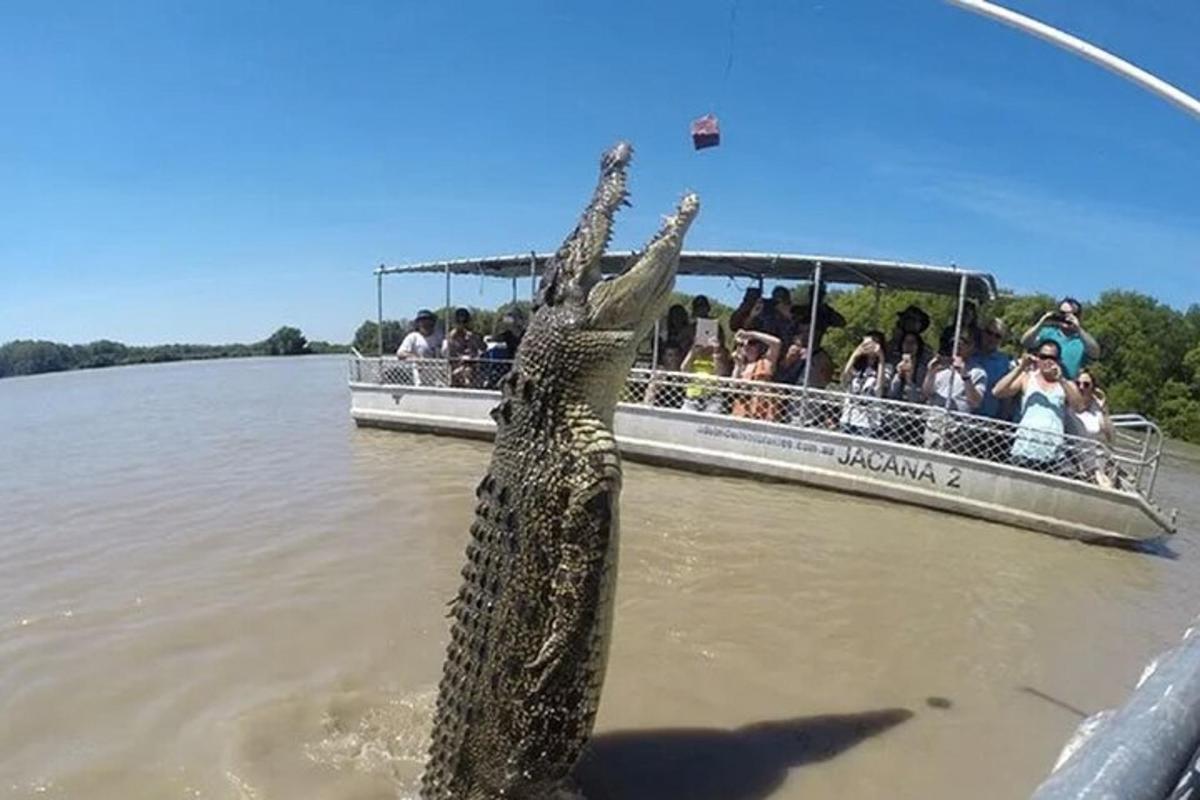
908	375
866	374
953	382
771	315
794	362
954	378
1045	395
755	359
1063	328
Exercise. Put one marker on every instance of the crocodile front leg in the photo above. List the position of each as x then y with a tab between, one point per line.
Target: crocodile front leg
578	580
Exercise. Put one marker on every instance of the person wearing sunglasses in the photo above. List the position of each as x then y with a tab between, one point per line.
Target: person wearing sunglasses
1045	396
1092	423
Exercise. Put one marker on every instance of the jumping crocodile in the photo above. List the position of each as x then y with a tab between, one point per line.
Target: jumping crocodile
531	624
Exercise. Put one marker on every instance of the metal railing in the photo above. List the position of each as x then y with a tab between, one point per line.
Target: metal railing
462	373
1128	463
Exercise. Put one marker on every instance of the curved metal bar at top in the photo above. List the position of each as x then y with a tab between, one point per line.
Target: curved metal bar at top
1073	44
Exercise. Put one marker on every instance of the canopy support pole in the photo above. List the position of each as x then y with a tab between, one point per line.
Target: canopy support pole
514	291
813	317
446	325
654	352
814	307
532	276
958	318
875	312
379	314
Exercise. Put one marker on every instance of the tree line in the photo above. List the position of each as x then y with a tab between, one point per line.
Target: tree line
1150	362
31	357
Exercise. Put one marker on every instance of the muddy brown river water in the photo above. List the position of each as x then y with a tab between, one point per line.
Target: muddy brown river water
213	586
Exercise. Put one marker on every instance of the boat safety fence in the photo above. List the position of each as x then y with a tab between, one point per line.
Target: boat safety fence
1127	463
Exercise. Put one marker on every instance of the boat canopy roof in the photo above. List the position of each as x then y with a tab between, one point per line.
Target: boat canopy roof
980	286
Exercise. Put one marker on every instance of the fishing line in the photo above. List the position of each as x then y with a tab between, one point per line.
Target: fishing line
706	130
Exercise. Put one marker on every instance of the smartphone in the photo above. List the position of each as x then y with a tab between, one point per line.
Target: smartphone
706	331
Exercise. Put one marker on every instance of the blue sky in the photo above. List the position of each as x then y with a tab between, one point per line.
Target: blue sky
209	171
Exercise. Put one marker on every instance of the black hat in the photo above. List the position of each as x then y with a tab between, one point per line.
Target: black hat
425	313
920	315
827	316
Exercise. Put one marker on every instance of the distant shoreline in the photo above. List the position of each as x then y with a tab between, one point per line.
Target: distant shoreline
40	357
177	362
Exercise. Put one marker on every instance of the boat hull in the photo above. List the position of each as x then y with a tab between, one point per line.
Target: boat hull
813	456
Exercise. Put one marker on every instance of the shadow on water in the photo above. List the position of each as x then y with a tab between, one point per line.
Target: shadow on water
1159	548
747	763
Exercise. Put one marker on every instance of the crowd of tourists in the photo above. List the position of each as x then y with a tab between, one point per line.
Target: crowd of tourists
1060	414
474	361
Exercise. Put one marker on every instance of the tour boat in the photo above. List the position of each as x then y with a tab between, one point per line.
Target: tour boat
918	454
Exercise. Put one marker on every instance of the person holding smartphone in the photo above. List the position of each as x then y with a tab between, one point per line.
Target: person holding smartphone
1063	327
955	383
911	365
953	377
771	315
866	374
1045	397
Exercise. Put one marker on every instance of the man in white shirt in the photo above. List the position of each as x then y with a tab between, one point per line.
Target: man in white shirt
953	379
957	379
425	341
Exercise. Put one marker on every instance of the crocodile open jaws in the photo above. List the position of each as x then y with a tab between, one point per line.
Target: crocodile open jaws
532	621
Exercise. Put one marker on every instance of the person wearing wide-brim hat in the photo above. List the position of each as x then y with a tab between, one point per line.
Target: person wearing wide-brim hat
912	320
424	341
827	316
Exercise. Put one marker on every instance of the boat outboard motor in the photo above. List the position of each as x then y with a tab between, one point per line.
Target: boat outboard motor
1146	750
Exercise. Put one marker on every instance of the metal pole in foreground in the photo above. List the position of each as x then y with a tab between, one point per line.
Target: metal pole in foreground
1141	750
1089	51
